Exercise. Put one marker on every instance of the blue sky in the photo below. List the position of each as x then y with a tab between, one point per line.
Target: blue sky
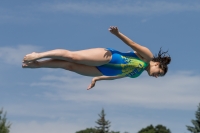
45	100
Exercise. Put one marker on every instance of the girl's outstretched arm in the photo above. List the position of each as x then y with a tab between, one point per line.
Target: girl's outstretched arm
144	52
102	78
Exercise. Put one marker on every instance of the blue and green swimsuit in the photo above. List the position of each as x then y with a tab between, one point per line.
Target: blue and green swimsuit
123	64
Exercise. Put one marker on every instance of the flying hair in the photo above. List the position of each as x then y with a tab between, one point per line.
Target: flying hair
163	58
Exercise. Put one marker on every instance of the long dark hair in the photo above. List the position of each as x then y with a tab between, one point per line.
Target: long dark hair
164	59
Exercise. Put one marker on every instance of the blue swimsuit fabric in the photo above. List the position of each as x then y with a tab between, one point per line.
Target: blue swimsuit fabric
119	61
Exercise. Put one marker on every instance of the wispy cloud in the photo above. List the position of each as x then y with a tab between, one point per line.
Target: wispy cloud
48	127
29	13
14	55
62	100
72	127
72	121
176	91
17	14
121	7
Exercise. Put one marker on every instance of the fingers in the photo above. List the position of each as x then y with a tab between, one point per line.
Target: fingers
113	28
89	88
91	85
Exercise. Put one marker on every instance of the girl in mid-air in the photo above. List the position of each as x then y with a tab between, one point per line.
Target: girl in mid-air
103	63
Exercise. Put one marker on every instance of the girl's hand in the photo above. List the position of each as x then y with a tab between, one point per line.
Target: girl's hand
92	84
114	30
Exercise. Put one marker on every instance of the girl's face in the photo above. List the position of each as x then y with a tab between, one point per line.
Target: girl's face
155	70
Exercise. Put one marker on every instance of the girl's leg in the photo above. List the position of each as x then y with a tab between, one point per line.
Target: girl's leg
54	63
91	57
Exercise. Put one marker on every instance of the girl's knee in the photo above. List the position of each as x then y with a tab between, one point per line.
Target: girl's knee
69	66
74	57
69	55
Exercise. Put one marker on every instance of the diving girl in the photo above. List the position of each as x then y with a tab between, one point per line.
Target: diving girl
103	63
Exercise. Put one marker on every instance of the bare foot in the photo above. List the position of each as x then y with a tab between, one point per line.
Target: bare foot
30	57
31	64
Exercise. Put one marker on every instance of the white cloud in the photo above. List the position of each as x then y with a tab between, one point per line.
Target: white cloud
66	127
17	14
131	124
63	102
29	13
175	91
48	127
121	7
14	55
